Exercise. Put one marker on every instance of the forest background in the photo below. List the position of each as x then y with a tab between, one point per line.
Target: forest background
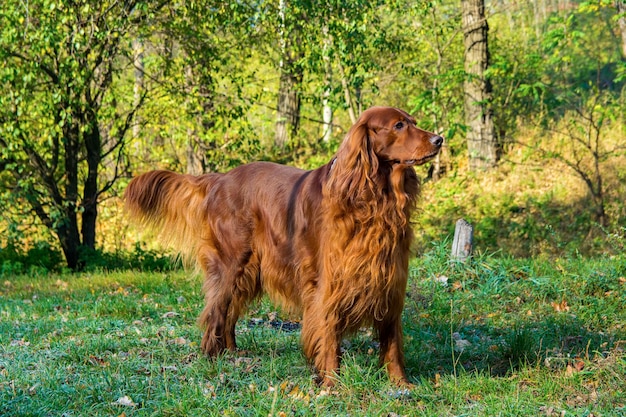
93	93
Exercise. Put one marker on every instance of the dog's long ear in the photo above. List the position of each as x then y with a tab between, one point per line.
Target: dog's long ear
355	164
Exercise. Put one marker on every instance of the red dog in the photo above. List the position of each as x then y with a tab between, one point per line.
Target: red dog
332	243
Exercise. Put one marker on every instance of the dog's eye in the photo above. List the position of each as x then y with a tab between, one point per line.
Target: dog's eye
399	125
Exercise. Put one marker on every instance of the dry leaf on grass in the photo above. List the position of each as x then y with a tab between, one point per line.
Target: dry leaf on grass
560	307
124	401
574	368
181	341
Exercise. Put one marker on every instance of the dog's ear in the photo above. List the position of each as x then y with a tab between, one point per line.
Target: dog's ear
356	163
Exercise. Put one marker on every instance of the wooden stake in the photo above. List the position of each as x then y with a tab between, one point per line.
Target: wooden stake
463	240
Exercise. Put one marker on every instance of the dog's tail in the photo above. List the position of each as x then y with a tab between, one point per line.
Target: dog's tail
171	204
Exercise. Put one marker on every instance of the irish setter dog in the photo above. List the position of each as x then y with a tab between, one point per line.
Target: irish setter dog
332	243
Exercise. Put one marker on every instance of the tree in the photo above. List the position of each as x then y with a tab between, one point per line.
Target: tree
481	140
582	144
60	120
621	20
438	67
291	74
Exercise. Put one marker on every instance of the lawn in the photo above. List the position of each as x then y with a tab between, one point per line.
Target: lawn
498	336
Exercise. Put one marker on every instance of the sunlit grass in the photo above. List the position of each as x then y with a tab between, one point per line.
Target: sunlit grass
497	336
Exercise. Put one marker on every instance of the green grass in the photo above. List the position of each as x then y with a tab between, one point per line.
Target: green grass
502	336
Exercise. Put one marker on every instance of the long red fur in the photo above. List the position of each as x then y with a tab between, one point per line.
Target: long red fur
332	243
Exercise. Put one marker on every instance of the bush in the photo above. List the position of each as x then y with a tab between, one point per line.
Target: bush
139	259
39	259
43	258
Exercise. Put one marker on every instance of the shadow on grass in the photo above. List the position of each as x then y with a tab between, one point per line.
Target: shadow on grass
499	352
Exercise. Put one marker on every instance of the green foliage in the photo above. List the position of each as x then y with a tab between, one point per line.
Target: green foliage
139	259
95	93
43	259
39	259
58	63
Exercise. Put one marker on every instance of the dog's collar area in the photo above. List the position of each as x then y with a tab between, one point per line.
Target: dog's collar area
408	162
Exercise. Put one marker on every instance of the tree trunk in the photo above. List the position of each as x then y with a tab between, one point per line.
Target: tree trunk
288	118
327	115
67	226
288	109
347	96
70	242
327	111
139	81
621	9
201	93
195	161
481	139
90	192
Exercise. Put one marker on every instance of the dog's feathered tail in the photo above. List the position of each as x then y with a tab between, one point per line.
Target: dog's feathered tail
171	204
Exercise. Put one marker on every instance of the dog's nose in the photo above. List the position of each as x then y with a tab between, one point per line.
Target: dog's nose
436	140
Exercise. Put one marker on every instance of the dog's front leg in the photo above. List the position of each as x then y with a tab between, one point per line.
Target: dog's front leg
328	358
391	353
320	339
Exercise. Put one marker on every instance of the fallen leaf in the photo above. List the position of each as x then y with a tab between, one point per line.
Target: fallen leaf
399	393
124	401
95	360
323	393
120	290
178	341
33	389
284	385
297	394
574	368
560	307
169	314
442	280
62	285
459	343
209	390
19	342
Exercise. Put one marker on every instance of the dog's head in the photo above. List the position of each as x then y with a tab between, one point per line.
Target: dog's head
379	149
394	137
387	136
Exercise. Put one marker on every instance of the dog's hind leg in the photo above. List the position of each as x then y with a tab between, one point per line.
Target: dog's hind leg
218	299
229	285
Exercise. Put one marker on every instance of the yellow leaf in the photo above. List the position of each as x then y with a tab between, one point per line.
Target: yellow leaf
560	307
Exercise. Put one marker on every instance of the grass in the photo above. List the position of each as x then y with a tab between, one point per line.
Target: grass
498	336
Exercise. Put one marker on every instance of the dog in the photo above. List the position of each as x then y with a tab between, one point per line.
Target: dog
332	243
